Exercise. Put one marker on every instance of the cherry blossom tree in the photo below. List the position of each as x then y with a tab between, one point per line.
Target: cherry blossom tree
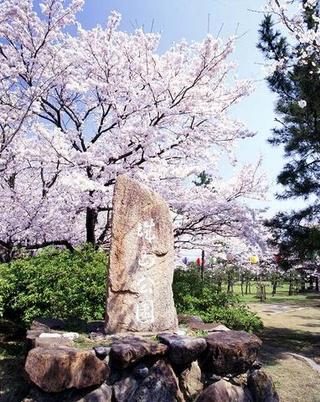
78	110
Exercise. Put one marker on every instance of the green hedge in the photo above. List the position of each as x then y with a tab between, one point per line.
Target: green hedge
202	298
60	284
54	283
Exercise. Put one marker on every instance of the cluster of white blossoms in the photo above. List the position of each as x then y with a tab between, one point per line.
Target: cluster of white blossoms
77	111
293	22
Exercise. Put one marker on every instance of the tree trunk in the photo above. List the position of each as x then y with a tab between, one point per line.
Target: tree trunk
230	283
274	287
247	285
317	284
202	265
290	286
241	284
311	283
91	221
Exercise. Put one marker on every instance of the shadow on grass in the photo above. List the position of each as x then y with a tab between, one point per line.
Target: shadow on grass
277	341
13	386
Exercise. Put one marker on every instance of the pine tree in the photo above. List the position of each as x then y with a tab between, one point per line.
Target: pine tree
297	85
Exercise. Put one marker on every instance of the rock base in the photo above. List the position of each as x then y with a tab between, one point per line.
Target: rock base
221	367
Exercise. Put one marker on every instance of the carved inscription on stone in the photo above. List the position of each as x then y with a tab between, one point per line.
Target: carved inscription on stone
145	285
141	261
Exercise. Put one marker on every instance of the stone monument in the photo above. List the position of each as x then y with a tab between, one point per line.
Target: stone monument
139	295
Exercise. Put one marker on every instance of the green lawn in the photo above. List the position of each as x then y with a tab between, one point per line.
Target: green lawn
291	327
280	296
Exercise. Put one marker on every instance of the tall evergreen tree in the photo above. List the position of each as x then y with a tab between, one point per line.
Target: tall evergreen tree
296	81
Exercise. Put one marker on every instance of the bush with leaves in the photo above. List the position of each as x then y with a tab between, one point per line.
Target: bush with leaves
196	297
54	283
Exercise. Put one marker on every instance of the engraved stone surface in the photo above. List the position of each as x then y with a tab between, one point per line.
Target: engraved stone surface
141	268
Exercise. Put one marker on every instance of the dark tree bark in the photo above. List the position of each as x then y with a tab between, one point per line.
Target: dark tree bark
91	221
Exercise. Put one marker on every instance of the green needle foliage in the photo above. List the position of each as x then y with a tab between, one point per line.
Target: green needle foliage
298	131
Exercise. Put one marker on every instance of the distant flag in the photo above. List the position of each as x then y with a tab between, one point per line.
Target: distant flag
277	258
254	259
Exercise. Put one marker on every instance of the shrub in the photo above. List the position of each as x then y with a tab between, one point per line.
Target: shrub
60	284
55	283
192	296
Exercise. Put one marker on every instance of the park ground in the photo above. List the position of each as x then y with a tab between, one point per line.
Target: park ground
291	333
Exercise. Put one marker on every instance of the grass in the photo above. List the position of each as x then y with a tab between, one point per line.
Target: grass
292	326
281	295
294	380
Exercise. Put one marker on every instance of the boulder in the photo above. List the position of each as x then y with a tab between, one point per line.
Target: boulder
58	369
102	351
71	335
229	352
189	320
47	324
223	391
129	350
51	342
183	349
196	324
140	275
160	385
32	335
262	387
190	381
101	394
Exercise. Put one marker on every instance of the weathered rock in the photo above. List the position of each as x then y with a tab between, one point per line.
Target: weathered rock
223	391
219	327
195	323
160	385
189	320
262	387
230	352
240	380
141	370
97	336
102	351
47	324
183	349
32	335
190	381
131	349
101	394
51	342
50	335
54	370
71	335
141	262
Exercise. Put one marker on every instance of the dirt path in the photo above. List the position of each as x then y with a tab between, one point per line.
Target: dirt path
292	337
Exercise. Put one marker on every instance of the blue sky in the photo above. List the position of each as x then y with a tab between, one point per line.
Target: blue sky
188	19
